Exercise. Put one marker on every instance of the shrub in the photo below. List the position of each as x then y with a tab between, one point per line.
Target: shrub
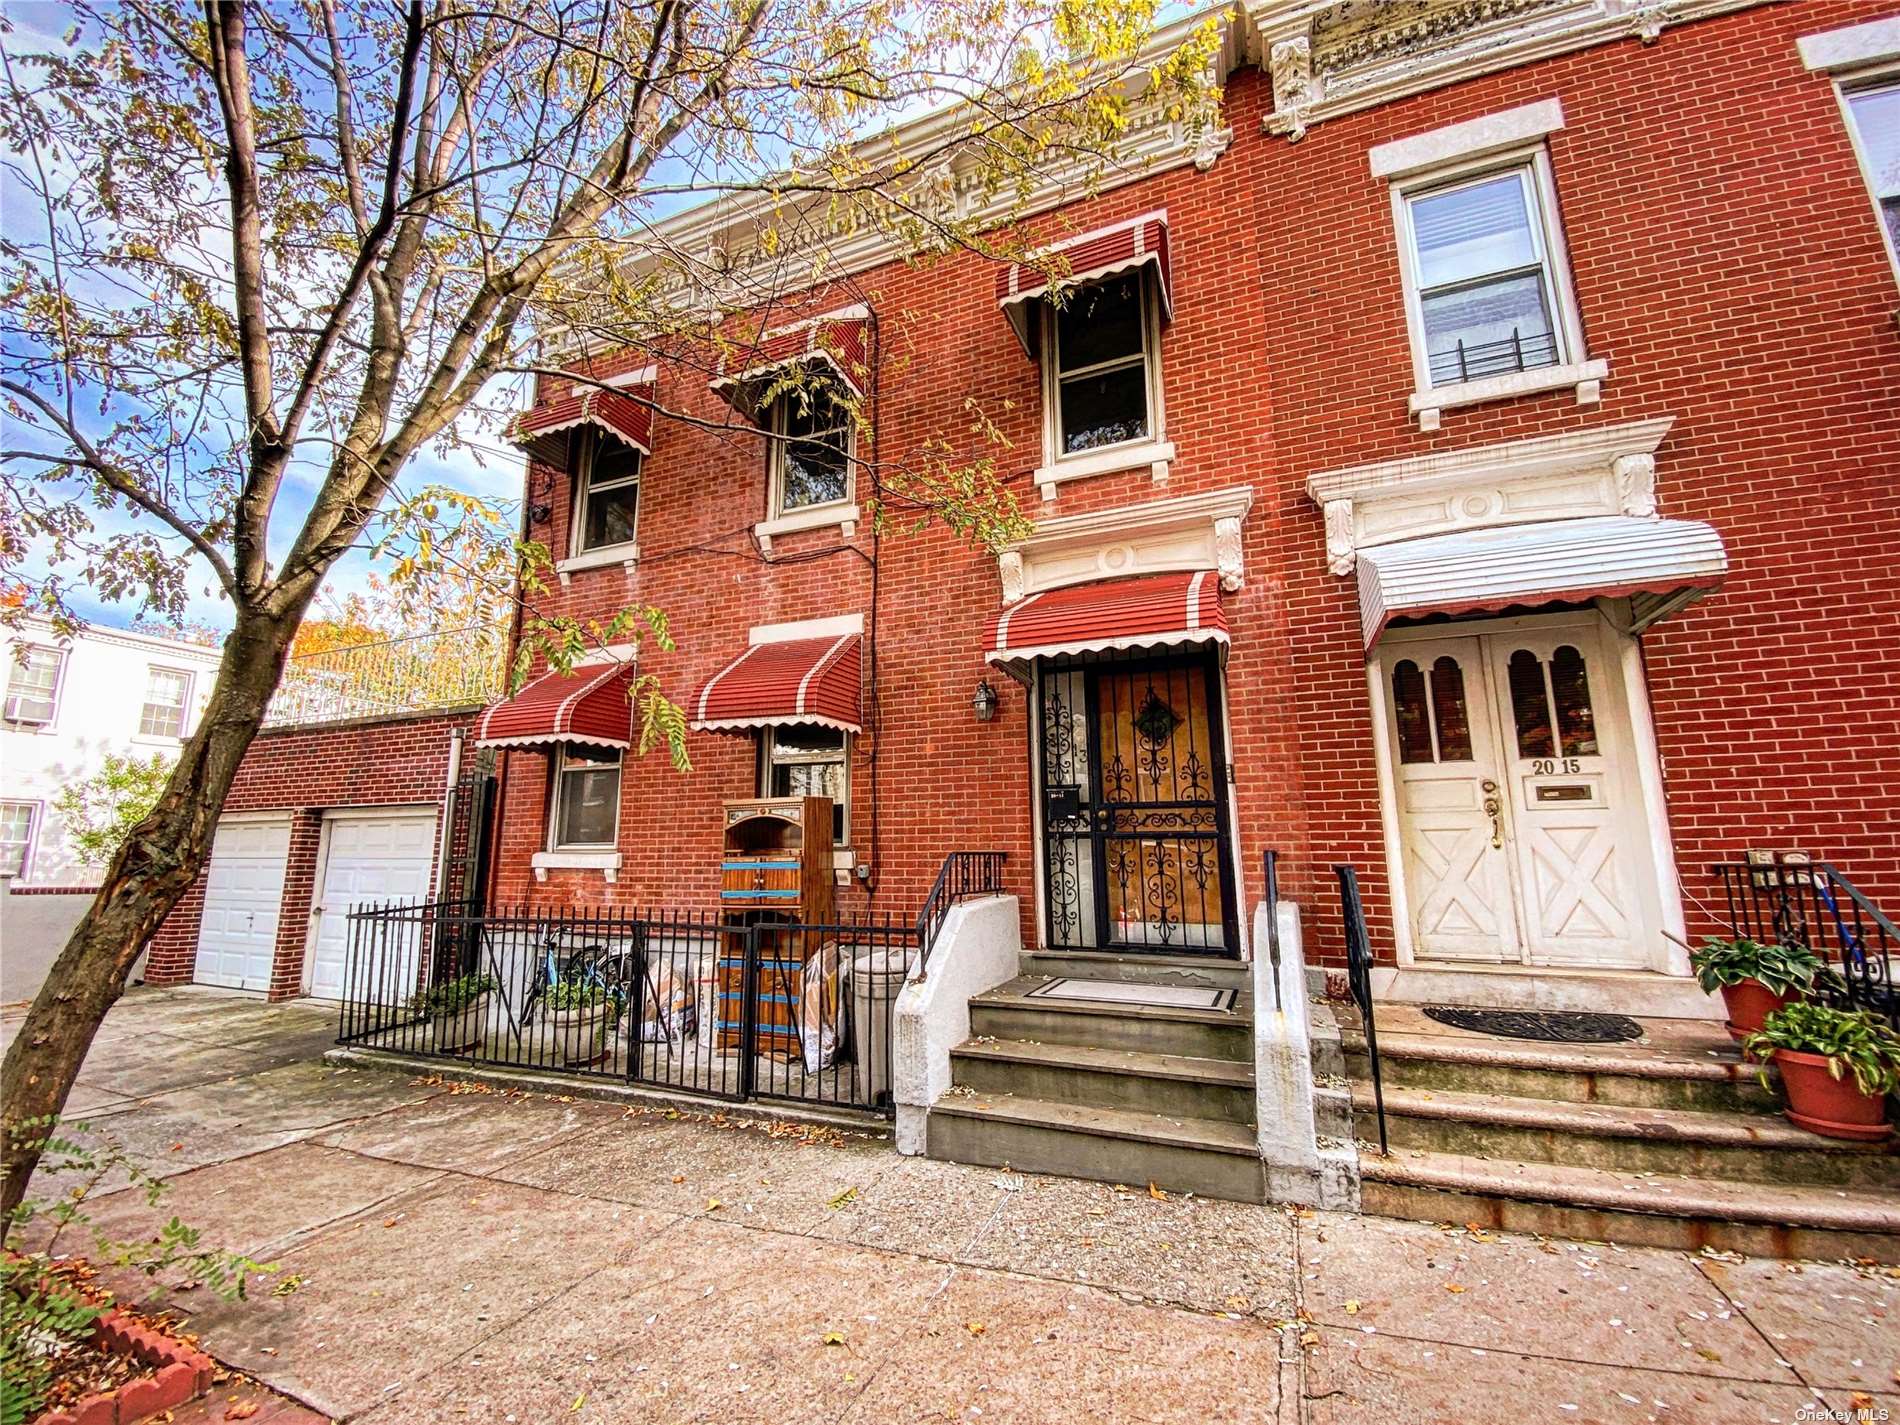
1851	1039
453	996
1784	969
577	994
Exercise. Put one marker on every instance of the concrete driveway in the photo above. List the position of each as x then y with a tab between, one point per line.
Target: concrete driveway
456	1255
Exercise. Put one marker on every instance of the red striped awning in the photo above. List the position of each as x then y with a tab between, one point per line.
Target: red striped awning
797	680
591	705
1148	611
1089	257
840	342
625	413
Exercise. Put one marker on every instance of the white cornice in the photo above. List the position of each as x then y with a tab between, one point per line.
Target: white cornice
39	630
1573	452
1309	88
1187	532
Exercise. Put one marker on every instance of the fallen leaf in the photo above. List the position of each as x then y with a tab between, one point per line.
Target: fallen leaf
241	1410
713	1204
843	1199
975	1328
177	1147
1352	1307
1453	1288
579	1401
1156	1193
1707	1354
833	1338
679	1177
391	1221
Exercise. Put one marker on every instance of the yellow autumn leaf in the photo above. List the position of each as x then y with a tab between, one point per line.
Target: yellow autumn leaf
1453	1288
1352	1307
975	1328
833	1338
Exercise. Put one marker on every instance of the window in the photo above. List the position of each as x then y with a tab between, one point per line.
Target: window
16	837
1429	704
1484	282
1874	113
586	799
1100	366
1561	685
167	692
802	761
33	687
811	452
607	493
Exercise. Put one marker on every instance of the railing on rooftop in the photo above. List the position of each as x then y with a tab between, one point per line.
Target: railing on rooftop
458	667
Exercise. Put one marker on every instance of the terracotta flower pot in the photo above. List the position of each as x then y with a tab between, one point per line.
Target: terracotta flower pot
1821	1103
1749	1004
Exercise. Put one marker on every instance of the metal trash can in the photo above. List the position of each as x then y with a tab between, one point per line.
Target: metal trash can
876	978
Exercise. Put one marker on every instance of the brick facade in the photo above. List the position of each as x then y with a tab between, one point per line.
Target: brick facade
306	771
1726	263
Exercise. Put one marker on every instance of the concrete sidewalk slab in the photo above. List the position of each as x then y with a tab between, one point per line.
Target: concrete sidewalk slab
471	1133
1839	1325
919	1206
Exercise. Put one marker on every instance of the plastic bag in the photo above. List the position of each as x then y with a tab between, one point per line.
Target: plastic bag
670	1011
818	1009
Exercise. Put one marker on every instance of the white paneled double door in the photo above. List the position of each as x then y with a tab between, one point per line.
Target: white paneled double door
1519	810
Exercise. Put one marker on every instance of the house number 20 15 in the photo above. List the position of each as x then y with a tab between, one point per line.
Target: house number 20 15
1550	766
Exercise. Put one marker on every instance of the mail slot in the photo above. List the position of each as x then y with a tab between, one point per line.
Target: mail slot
1565	792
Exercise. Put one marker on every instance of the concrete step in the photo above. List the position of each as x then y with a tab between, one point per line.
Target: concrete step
1716	1079
1650	1210
1744	1148
1170	1084
1007	1012
1112	1145
1218	971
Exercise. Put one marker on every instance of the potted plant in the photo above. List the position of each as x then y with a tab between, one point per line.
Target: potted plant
1837	1065
578	1017
459	1011
1754	979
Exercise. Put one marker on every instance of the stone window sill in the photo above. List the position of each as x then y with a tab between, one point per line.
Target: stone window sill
1157	455
625	555
606	862
843	517
1586	376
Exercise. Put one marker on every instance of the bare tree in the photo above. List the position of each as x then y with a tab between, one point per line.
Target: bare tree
258	257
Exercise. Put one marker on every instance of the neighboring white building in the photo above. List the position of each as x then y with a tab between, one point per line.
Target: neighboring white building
69	703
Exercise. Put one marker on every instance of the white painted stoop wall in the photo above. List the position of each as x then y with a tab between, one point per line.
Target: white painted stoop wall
1302	1101
979	947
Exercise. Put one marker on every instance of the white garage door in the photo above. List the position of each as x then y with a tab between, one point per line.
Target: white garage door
244	886
386	857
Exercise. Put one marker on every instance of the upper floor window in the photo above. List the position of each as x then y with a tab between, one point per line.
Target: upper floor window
797	760
813	434
1486	282
1874	112
167	695
33	687
16	837
1100	380
586	799
606	492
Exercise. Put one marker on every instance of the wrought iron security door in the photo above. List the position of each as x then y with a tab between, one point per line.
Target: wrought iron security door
1135	827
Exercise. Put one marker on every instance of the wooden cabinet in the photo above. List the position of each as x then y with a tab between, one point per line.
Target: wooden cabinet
776	874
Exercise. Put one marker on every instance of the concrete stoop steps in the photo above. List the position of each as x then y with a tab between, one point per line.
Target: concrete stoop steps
1118	1093
1671	1141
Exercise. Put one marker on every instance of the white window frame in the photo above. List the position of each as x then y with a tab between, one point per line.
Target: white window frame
767	762
58	656
621	550
188	682
558	792
32	835
1845	88
1151	449
1573	367
778	424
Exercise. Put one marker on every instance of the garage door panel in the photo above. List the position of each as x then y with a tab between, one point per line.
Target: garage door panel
370	859
244	882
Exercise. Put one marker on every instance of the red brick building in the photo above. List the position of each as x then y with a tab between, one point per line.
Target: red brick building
1468	455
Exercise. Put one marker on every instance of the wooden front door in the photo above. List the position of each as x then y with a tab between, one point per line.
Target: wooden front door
1136	841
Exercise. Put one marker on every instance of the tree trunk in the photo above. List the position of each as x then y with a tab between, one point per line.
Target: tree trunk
157	865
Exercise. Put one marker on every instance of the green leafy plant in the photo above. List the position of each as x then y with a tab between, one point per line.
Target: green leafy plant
454	996
1851	1039
44	1312
1783	969
101	810
576	994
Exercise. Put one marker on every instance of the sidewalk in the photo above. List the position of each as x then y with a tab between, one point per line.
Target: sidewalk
458	1256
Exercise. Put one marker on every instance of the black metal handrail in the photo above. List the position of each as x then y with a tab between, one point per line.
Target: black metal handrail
964	875
1272	868
1359	978
1812	905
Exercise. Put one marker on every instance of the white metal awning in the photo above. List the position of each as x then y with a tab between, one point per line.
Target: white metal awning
1658	565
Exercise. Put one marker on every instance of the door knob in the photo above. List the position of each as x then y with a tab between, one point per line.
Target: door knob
1495	810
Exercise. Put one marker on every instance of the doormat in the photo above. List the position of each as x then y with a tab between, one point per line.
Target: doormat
1132	992
1556	1026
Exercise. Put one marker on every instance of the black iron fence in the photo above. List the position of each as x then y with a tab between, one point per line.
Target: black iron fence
697	1002
965	874
1813	905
